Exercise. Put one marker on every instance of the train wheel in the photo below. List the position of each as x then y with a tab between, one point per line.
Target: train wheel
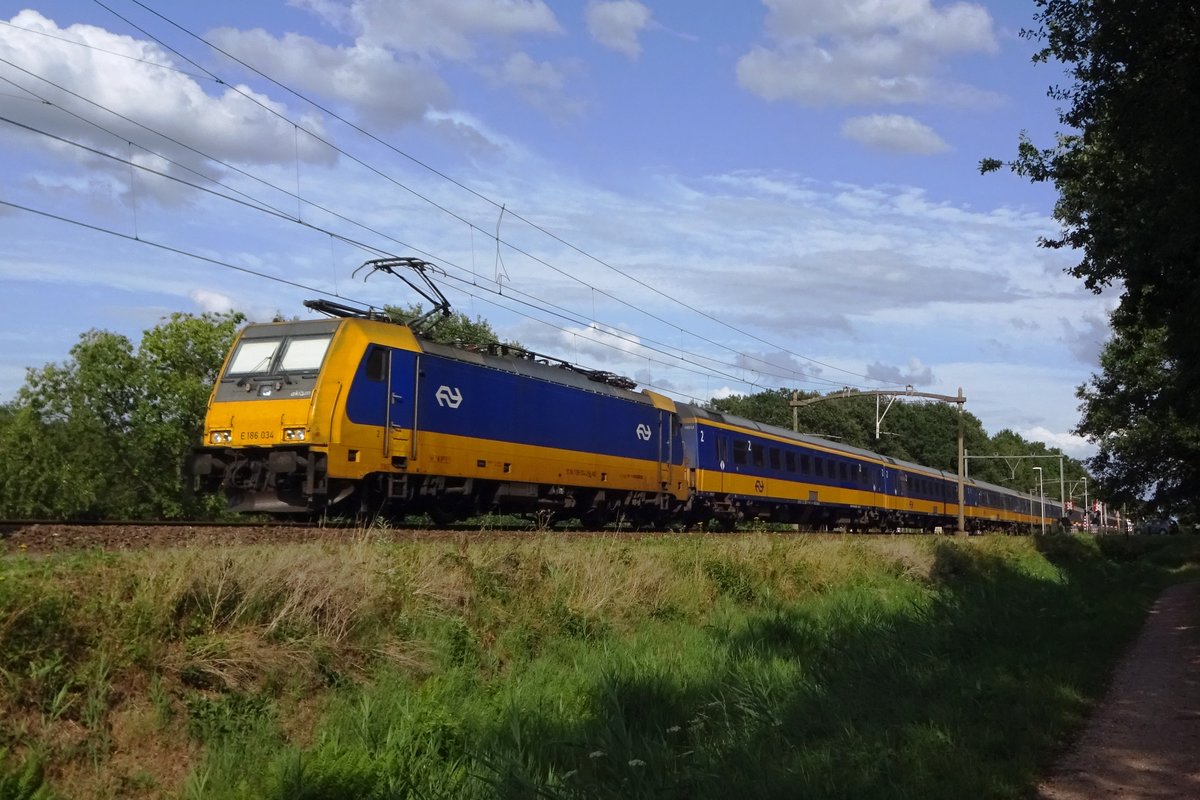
595	518
442	516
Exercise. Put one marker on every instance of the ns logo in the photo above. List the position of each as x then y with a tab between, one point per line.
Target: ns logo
448	397
643	432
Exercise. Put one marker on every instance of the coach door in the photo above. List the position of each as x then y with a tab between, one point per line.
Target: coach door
723	451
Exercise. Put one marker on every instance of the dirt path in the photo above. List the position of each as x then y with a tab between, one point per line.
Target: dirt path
1144	739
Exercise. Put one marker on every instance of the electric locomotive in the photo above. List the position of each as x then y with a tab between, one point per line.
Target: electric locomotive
362	414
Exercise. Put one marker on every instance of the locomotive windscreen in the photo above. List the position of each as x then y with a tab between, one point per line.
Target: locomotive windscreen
277	360
267	356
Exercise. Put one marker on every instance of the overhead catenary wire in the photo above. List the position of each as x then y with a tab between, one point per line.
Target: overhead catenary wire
283	216
333	114
456	216
296	284
794	376
541	306
169	248
136	238
258	204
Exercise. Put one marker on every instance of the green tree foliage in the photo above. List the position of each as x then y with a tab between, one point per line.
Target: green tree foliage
457	328
105	434
1149	437
1127	171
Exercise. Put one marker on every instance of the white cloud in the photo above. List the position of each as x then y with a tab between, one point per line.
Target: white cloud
472	133
389	75
958	27
1070	443
542	84
384	90
894	133
522	70
841	52
616	24
437	27
916	373
1086	339
218	303
228	125
590	344
211	301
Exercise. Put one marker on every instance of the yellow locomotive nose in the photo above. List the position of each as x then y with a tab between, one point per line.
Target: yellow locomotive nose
262	424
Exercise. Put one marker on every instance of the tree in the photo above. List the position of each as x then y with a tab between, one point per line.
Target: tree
1127	171
105	434
1149	440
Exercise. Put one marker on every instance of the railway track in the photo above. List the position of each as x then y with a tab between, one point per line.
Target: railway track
40	536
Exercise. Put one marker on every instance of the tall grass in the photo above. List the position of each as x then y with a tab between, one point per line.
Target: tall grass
591	666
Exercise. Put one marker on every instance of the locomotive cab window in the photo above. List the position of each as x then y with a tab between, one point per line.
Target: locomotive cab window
377	365
304	353
253	356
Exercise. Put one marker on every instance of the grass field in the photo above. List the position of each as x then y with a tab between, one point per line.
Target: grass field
564	666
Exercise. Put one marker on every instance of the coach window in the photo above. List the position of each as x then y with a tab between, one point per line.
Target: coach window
756	454
819	466
789	461
740	448
805	464
844	471
774	458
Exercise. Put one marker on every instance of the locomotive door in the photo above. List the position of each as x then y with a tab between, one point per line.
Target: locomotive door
666	449
401	404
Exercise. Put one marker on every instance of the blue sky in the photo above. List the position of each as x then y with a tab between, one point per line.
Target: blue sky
741	195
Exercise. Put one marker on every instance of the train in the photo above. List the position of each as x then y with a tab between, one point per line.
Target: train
357	415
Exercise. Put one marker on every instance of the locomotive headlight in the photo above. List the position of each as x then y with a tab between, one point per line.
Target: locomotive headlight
220	437
293	434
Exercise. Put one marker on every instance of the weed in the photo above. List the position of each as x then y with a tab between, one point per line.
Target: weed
160	699
731	579
23	780
226	716
583	667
